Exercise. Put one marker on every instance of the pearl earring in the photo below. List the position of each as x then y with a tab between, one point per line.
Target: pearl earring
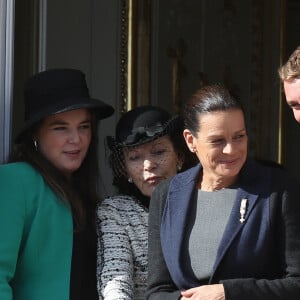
35	145
130	180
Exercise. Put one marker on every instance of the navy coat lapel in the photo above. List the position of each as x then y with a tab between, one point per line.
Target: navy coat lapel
174	224
252	187
234	225
176	214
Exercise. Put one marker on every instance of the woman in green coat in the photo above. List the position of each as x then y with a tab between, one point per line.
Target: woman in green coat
48	192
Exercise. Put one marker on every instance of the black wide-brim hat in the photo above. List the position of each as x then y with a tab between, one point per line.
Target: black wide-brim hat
59	90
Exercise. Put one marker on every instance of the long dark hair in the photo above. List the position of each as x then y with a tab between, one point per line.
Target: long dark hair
81	192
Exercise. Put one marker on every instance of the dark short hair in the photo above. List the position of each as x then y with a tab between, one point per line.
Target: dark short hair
291	69
209	98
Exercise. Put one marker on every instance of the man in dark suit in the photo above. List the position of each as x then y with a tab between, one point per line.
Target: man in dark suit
289	74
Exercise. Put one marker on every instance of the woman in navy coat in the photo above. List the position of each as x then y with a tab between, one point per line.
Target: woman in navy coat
227	229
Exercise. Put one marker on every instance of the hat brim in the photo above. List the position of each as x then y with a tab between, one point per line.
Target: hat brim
101	110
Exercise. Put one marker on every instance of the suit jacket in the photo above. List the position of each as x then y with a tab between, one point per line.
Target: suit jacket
256	259
36	236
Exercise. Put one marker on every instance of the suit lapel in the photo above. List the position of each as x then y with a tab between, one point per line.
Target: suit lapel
252	188
235	223
173	225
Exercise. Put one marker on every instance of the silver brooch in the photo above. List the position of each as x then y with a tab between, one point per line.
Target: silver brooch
243	209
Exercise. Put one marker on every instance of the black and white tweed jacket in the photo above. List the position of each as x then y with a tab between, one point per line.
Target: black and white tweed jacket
122	224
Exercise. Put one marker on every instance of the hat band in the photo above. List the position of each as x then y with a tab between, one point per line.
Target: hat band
143	132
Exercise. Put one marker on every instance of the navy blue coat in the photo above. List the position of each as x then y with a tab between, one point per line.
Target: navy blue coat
256	259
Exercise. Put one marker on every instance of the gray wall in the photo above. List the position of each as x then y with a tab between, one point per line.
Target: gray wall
84	34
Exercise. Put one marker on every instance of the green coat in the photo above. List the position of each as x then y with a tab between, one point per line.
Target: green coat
36	236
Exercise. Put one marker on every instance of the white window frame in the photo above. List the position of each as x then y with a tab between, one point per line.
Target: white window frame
7	13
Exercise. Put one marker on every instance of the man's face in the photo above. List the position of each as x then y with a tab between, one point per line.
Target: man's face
292	95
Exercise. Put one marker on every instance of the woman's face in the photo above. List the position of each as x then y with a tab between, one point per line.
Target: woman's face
220	144
64	139
151	163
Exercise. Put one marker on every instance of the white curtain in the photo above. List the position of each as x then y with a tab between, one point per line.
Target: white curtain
6	74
